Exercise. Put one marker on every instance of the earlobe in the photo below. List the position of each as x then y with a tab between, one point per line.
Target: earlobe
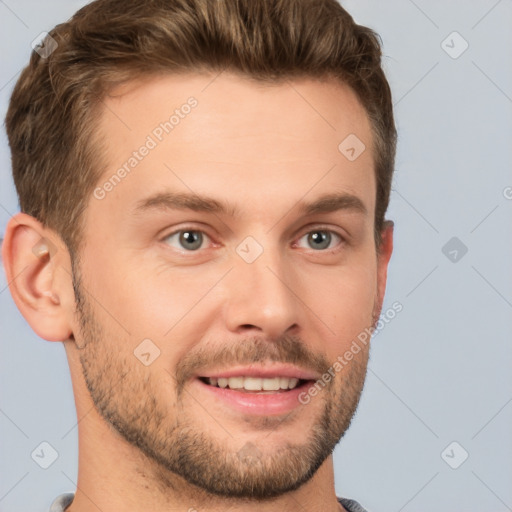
30	257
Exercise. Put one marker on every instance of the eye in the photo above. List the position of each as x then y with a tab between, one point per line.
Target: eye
321	239
188	239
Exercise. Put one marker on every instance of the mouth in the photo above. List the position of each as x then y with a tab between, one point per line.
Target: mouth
268	395
259	385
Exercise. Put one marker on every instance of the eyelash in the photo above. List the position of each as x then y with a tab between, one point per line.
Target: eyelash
342	239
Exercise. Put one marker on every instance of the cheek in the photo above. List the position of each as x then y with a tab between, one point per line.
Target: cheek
174	309
147	299
343	299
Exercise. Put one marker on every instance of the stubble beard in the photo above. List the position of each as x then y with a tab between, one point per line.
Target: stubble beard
179	451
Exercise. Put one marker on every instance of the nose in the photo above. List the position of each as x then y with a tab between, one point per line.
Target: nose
261	297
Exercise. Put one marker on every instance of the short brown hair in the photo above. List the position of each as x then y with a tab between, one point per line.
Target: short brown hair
56	102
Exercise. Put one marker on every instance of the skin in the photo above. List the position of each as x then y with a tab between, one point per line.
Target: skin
149	437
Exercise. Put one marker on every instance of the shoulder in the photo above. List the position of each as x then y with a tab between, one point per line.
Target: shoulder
61	502
351	505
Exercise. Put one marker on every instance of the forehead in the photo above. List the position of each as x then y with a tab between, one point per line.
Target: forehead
222	134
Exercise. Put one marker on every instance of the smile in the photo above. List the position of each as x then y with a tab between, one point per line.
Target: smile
253	395
254	384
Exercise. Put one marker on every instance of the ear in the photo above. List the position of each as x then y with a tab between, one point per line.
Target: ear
383	256
40	285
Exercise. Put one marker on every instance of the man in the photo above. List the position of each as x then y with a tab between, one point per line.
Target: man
259	133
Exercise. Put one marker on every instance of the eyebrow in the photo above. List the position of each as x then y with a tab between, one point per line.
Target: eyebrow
185	201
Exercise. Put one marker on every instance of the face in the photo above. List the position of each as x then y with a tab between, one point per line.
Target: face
239	245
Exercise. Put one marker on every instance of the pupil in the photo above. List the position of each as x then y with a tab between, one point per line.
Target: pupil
191	238
320	239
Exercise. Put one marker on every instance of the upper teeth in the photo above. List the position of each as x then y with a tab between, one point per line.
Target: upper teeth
254	383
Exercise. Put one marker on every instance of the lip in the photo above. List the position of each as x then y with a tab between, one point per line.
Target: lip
262	404
265	372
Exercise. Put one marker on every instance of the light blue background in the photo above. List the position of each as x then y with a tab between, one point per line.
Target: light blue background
441	370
